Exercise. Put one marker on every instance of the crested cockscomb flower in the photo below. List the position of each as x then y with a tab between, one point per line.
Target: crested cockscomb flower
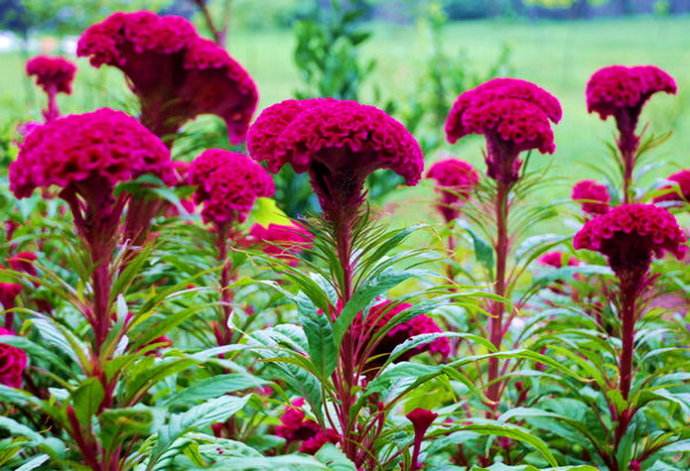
295	427
175	73
455	181
8	294
89	152
630	235
558	259
13	361
421	421
228	184
593	197
514	116
678	189
339	143
54	75
282	241
24	262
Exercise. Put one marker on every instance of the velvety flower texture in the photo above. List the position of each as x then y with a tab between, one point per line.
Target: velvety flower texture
339	142
13	361
8	294
176	74
514	116
679	190
621	92
295	427
53	74
88	152
421	421
558	259
455	181
227	184
282	241
630	235
593	197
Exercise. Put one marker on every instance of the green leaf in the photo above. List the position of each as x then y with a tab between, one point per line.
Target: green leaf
267	212
119	424
86	399
33	463
214	386
334	458
319	332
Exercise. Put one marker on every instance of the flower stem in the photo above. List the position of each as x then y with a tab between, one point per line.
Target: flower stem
225	277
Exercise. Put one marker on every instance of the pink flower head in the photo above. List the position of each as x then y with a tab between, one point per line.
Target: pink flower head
295	427
96	150
339	142
53	74
592	196
630	235
558	259
514	116
227	184
421	421
679	189
284	242
8	294
313	444
176	74
455	181
24	262
13	361
621	92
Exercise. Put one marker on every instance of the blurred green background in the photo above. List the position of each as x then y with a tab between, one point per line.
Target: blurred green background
413	58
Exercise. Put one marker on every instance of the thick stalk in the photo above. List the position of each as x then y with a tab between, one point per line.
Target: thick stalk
496	322
52	111
225	294
628	167
100	279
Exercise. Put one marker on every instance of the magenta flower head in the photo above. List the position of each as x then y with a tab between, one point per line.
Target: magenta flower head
593	197
679	188
175	73
282	241
558	259
53	74
88	154
421	421
513	115
13	362
630	235
622	92
227	184
455	181
295	427
8	294
339	143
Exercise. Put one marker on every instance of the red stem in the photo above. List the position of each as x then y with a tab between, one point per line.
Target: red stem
225	278
52	111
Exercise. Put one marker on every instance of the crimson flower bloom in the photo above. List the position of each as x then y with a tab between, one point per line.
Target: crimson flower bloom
295	427
175	73
630	235
227	184
281	241
678	190
339	143
513	115
622	92
24	262
8	293
421	421
455	181
558	259
54	75
13	361
593	197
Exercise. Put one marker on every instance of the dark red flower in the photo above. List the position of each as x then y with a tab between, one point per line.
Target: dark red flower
227	184
176	74
455	181
630	235
24	262
339	143
558	259
295	427
678	190
592	196
514	116
13	361
313	444
421	421
97	149
8	294
53	74
282	241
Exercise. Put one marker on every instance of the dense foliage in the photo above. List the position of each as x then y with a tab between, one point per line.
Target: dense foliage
161	313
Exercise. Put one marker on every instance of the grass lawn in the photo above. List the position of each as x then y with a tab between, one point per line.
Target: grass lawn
558	56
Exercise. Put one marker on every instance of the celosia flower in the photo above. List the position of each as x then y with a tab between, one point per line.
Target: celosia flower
558	259
24	262
294	427
8	294
88	153
622	92
455	181
678	190
13	361
514	116
53	74
630	235
592	196
421	421
339	143
227	184
285	242
176	74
